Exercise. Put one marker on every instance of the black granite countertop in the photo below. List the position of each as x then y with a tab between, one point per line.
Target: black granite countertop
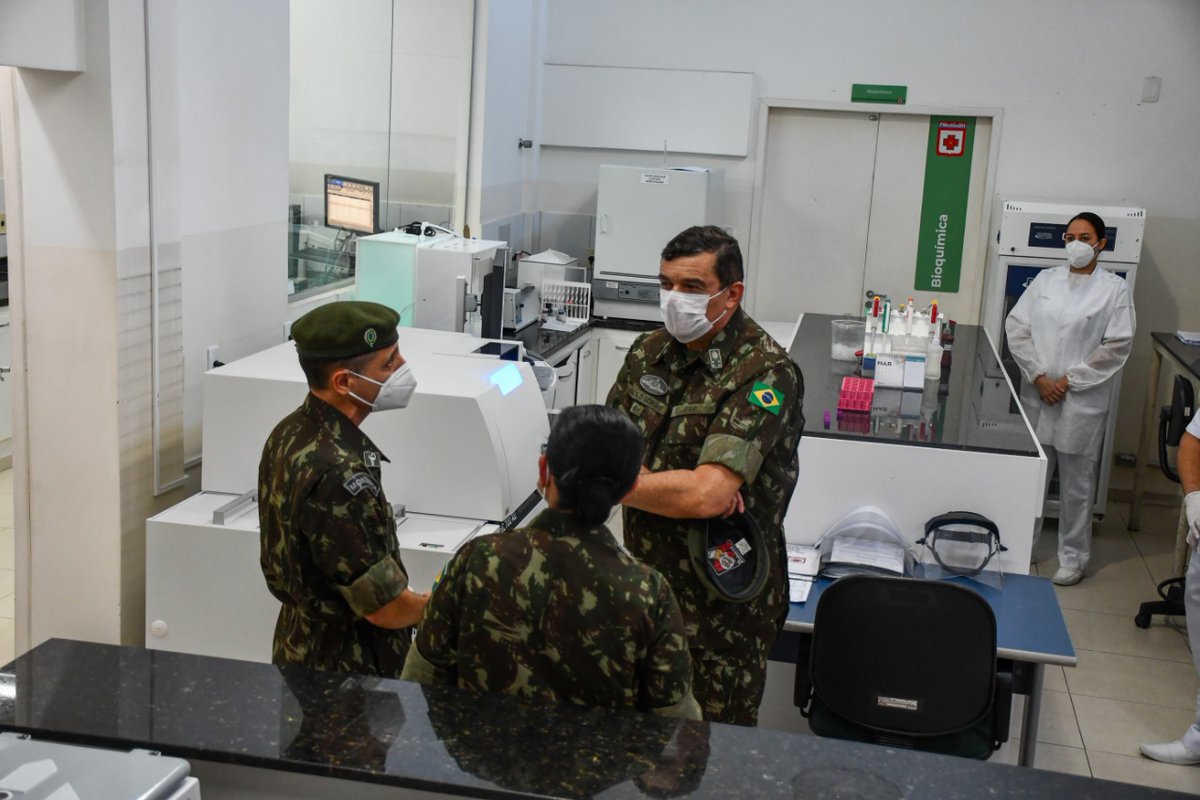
1188	355
407	735
970	407
549	344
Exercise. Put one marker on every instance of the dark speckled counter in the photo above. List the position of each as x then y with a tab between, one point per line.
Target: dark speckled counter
550	344
446	741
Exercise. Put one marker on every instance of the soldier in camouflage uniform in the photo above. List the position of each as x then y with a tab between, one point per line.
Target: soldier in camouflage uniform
719	403
329	551
557	612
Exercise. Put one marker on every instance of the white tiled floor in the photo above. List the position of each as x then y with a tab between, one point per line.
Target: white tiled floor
1131	685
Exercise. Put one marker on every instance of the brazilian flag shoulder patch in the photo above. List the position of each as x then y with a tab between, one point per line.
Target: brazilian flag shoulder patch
766	397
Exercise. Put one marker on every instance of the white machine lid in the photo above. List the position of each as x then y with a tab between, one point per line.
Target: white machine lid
31	769
429	532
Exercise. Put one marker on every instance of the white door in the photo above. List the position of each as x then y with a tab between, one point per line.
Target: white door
841	195
895	217
816	190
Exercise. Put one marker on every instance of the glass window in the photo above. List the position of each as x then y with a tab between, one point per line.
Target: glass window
380	97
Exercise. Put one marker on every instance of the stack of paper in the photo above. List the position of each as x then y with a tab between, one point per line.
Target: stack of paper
852	556
803	563
1188	337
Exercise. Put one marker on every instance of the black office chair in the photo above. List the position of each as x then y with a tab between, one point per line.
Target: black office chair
906	663
1172	421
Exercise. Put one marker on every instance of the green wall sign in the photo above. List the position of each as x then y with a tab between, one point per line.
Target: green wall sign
944	203
878	93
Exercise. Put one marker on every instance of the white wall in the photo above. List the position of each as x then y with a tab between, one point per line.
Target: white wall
1067	74
78	157
231	80
61	183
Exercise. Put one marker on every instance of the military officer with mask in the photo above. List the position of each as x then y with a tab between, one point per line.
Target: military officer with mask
719	403
329	551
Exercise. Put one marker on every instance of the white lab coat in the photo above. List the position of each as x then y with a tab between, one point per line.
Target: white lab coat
1080	326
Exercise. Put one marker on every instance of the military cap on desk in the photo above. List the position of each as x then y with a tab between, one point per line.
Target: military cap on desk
346	329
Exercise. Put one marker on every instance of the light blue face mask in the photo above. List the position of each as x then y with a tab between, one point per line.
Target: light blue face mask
395	392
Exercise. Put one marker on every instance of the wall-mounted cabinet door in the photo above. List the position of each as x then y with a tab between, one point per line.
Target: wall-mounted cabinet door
816	202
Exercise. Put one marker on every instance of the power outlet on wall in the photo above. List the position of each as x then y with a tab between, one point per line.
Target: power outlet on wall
213	351
287	331
3	223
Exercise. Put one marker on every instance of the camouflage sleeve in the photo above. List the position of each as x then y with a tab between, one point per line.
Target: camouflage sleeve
350	532
667	675
434	654
753	419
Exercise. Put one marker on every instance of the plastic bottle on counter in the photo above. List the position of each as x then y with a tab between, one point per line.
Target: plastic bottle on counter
933	355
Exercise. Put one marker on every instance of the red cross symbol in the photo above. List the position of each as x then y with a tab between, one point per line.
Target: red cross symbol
951	141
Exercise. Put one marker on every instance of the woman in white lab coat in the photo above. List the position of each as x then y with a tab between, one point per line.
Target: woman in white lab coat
1070	333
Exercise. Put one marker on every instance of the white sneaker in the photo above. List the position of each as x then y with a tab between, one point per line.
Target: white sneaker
1068	576
1170	753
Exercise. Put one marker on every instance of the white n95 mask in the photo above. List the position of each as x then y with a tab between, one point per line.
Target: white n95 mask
395	392
1079	254
684	313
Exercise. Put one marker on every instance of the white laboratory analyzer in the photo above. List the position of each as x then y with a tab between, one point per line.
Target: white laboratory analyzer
32	769
463	462
639	210
438	281
1028	238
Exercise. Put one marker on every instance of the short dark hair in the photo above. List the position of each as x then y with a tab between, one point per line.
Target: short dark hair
709	239
319	370
594	454
1093	220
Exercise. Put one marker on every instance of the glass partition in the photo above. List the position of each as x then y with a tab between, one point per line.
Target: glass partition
380	94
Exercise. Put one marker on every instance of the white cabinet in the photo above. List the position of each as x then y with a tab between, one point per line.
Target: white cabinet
567	371
585	381
612	348
639	209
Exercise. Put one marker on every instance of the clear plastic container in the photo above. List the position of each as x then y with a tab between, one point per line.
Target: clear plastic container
847	339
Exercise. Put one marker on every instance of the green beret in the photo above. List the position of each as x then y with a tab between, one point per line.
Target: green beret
344	330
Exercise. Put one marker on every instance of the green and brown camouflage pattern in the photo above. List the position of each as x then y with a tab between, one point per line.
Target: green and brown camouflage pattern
328	544
556	612
707	416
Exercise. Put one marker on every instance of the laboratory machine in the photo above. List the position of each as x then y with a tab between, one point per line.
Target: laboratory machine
639	210
1028	239
462	462
440	281
32	769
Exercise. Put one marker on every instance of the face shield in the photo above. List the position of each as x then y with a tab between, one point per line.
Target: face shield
961	544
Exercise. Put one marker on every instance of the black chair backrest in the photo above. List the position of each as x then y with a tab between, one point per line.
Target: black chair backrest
904	655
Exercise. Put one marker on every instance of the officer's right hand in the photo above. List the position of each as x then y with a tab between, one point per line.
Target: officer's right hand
1191	505
736	505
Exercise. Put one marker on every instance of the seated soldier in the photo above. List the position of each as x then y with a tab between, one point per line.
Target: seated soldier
558	611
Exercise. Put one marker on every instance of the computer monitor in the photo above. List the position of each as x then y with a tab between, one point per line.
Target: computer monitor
351	204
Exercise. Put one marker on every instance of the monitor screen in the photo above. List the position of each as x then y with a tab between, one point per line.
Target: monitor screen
351	204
